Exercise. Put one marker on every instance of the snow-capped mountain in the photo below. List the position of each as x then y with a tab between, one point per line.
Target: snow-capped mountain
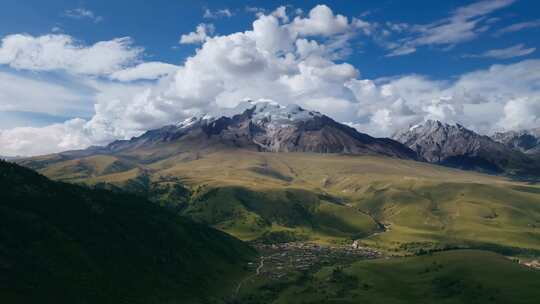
456	146
263	126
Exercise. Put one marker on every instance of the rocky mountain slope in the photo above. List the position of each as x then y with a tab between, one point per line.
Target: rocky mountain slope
457	146
260	126
526	141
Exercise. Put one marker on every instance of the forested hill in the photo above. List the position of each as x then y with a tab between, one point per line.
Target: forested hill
63	243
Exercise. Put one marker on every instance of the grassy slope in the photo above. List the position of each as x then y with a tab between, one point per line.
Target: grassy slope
481	215
249	214
249	193
451	277
63	243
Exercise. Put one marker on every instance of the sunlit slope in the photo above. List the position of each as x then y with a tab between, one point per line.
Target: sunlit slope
249	214
87	167
451	277
454	213
325	196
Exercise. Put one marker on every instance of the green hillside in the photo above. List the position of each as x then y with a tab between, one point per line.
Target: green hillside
249	214
452	277
445	214
331	198
64	243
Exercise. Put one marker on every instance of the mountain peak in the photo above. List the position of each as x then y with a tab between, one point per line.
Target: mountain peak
527	141
270	110
434	123
431	127
261	125
261	111
456	146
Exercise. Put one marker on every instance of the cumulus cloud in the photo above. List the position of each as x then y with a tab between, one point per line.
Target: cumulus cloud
144	71
31	141
483	100
200	35
517	50
320	21
62	52
521	113
290	62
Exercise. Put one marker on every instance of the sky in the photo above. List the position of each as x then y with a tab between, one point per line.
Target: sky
80	73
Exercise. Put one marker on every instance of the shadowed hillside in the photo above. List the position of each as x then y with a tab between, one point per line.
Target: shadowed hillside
64	243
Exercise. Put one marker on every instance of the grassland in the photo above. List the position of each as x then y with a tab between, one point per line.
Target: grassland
332	198
452	277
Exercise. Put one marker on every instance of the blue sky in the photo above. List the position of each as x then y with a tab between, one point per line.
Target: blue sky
157	26
376	65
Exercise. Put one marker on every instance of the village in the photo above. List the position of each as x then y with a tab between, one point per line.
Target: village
277	260
534	264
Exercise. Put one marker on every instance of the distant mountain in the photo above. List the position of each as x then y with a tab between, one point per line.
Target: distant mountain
456	146
63	243
260	126
526	141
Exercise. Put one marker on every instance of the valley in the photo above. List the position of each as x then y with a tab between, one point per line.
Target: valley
334	198
328	214
457	276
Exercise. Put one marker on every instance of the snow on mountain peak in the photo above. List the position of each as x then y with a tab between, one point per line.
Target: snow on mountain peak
263	111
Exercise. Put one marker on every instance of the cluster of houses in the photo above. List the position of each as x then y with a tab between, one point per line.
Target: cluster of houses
280	259
533	264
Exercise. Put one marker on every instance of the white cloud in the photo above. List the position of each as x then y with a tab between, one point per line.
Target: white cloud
83	13
320	21
145	71
483	100
219	13
517	50
521	113
202	33
404	50
289	63
31	94
464	24
255	10
518	27
62	52
281	13
31	141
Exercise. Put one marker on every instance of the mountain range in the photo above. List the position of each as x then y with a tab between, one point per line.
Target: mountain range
269	168
268	174
266	126
454	145
526	141
263	126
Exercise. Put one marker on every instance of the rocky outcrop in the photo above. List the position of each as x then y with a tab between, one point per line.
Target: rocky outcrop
526	141
456	146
